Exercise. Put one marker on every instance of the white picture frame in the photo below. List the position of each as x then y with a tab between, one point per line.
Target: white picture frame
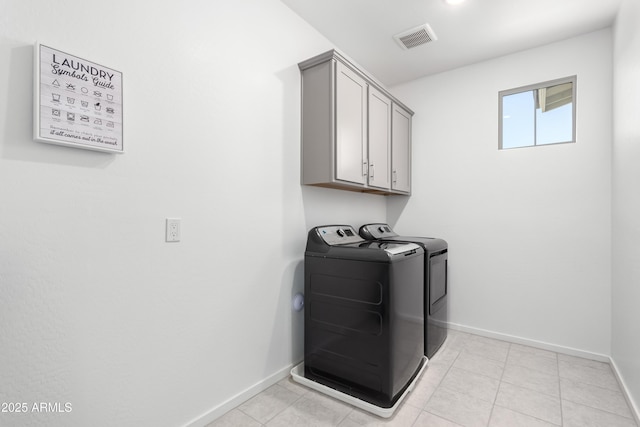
78	103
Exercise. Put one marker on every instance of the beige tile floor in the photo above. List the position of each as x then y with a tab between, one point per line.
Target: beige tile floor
471	381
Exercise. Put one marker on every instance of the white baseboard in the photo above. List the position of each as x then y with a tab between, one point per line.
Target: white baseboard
558	349
239	398
632	404
532	343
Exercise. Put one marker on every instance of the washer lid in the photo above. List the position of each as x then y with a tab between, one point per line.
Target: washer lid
401	248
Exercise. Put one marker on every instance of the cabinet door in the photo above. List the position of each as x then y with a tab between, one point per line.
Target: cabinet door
379	139
351	125
401	150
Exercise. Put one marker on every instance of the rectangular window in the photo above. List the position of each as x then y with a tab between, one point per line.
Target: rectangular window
539	114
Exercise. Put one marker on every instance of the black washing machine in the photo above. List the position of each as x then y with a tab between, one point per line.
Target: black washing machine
363	320
435	285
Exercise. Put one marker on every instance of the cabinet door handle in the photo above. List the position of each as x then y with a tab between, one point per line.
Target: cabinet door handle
371	171
395	176
364	168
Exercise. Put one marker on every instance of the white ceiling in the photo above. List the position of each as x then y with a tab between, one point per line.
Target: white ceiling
471	32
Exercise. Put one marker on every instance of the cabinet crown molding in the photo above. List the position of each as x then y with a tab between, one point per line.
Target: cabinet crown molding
344	59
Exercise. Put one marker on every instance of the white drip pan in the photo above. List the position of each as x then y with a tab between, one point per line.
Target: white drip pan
298	376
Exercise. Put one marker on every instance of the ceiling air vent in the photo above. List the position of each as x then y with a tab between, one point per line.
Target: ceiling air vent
416	37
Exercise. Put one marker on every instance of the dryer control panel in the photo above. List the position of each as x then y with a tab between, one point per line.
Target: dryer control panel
339	234
376	231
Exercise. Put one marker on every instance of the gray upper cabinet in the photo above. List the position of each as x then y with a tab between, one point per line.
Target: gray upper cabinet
401	150
350	126
355	135
379	139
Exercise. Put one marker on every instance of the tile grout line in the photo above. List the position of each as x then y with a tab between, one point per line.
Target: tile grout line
436	389
495	398
600	409
606	389
300	396
559	390
524	386
248	415
347	415
529	389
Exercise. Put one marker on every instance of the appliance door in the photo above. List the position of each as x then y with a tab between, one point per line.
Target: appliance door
437	281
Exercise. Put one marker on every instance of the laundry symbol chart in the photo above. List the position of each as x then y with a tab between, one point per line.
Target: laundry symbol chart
81	109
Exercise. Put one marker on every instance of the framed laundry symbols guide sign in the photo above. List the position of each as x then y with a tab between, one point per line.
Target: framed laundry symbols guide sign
78	103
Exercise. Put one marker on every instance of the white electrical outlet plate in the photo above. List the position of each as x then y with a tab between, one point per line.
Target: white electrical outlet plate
173	230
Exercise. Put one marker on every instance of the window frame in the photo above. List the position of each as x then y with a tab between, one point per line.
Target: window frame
571	79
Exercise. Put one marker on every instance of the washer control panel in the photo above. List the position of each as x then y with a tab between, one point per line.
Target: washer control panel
338	234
